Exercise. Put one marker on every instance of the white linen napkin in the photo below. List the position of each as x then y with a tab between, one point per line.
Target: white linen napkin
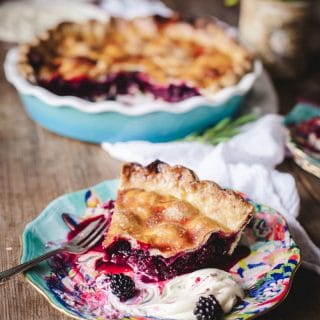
245	163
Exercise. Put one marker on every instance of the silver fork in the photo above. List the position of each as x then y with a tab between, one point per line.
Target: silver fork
81	243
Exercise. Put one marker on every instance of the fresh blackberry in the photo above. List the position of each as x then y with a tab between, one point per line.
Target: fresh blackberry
122	286
208	309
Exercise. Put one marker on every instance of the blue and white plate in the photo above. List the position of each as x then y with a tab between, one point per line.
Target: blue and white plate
266	273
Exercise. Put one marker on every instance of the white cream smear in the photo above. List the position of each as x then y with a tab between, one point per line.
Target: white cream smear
176	298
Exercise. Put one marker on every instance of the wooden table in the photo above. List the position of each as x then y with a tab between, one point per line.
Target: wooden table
36	166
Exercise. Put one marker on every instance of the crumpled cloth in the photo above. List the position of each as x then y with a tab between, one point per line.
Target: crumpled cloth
246	163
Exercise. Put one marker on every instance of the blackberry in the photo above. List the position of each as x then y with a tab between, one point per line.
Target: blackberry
122	286
208	309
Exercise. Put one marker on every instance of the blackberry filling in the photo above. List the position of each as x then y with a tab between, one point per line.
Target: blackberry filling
122	83
158	268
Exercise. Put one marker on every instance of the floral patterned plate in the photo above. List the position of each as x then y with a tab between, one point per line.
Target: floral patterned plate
266	273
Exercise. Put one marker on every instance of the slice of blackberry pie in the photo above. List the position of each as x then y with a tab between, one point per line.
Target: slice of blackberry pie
167	222
170	236
174	232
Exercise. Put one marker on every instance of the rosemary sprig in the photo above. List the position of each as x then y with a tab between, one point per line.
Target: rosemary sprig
222	131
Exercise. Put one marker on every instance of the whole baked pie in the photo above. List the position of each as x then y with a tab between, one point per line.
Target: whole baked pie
164	58
167	222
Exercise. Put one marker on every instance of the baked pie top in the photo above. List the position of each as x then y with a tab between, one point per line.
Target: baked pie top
170	210
199	55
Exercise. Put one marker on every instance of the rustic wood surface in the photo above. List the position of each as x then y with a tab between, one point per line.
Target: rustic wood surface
36	166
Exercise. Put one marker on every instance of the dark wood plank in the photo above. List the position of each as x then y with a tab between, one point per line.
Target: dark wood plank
36	166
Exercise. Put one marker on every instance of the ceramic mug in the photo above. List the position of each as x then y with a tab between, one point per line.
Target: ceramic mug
276	31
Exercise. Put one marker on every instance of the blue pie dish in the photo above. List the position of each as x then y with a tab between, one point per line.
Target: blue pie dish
113	121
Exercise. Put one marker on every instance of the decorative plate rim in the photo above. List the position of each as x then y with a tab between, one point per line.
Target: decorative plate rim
55	306
215	100
301	158
49	296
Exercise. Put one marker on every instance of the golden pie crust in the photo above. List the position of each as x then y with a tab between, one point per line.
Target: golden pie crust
200	54
170	210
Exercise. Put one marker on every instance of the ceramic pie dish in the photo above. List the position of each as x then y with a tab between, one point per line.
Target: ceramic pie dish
261	267
124	79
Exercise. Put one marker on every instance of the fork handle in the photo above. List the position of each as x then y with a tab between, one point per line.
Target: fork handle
7	274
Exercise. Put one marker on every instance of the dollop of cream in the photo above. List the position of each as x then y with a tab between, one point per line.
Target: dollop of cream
177	298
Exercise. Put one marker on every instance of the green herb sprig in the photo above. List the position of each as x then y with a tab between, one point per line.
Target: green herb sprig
222	131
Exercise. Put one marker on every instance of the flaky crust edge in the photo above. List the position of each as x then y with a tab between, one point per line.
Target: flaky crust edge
227	207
